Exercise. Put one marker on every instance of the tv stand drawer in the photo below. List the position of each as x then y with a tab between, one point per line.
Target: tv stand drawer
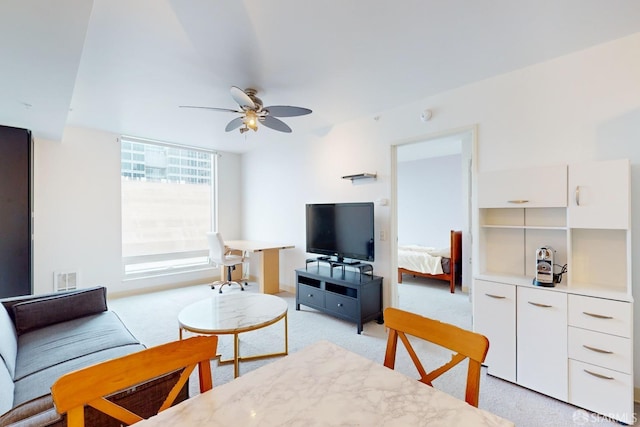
310	296
344	306
350	296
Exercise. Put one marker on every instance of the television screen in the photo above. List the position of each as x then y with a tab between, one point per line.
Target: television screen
342	230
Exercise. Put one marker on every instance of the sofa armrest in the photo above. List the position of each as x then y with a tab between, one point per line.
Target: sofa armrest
36	311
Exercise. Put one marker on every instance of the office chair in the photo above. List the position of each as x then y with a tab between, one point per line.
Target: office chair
92	385
218	256
466	343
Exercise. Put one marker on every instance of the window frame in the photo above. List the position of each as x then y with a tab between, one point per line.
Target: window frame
170	262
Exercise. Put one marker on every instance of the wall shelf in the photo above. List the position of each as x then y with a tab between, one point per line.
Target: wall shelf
360	176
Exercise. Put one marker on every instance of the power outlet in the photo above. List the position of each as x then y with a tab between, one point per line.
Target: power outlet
383	235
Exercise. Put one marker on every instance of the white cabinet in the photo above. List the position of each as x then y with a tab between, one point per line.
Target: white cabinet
542	341
573	341
494	316
531	188
599	195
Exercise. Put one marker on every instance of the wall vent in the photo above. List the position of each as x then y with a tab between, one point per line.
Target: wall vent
65	281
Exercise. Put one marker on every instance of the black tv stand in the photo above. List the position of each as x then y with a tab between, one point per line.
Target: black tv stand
352	295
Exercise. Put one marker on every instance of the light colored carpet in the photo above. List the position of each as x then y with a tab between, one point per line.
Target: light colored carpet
152	317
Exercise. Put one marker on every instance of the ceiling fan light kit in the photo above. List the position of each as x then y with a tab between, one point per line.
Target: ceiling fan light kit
252	112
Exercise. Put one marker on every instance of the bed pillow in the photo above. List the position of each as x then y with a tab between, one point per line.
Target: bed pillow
51	309
8	342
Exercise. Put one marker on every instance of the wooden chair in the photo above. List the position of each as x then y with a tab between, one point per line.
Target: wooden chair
467	344
90	385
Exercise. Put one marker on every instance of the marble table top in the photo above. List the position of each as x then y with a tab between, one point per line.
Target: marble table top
232	313
324	385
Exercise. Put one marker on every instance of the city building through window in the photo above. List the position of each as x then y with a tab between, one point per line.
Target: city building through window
168	206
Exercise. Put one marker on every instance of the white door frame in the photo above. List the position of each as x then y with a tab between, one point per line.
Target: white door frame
471	215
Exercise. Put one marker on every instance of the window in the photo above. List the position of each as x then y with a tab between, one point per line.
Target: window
166	210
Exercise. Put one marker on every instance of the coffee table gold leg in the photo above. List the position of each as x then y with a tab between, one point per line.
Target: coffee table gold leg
236	355
286	334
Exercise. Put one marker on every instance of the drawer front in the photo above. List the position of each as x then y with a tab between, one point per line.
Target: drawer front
596	348
310	296
601	390
601	315
342	305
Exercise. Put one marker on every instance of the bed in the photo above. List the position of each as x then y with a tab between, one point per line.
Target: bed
442	264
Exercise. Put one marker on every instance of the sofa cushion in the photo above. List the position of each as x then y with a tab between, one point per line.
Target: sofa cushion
39	383
38	312
6	389
49	346
8	341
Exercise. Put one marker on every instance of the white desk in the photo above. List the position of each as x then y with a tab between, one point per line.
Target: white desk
269	275
324	385
234	314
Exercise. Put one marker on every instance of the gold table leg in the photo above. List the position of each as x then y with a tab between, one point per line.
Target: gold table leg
236	351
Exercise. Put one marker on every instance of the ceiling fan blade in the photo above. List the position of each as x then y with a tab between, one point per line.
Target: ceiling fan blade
211	108
276	124
242	98
287	111
234	124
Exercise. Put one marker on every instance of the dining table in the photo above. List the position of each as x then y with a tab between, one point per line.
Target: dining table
325	385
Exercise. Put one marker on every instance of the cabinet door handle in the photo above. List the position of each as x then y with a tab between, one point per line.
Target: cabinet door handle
604	377
537	304
597	350
310	295
339	304
597	316
577	195
495	296
518	201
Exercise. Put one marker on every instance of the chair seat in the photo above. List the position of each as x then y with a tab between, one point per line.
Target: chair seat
232	260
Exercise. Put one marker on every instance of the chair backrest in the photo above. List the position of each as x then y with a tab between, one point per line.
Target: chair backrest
216	247
90	385
466	343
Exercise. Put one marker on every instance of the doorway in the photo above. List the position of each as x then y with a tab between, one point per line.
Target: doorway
420	213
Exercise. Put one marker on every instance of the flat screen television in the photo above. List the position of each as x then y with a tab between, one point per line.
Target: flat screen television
341	230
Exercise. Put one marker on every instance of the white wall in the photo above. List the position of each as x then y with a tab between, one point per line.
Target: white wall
429	200
579	107
77	212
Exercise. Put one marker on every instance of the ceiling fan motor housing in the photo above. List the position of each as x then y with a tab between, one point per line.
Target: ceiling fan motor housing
252	94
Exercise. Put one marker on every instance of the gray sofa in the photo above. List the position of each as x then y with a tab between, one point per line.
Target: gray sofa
45	336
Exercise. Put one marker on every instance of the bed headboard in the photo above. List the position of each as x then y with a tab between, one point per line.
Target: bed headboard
456	246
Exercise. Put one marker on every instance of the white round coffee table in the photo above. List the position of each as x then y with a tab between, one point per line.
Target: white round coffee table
225	314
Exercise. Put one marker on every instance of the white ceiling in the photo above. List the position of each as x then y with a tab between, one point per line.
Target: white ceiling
125	65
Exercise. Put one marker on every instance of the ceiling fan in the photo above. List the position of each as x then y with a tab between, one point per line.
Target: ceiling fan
253	112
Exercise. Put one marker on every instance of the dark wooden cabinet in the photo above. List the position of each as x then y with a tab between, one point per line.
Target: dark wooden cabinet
349	295
16	183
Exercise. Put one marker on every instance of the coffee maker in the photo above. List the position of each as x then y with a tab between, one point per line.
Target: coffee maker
544	266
